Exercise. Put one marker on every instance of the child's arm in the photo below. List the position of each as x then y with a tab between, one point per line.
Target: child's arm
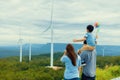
79	40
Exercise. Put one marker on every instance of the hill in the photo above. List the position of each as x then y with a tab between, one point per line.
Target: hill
37	49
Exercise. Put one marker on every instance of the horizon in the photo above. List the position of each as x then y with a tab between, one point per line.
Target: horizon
109	50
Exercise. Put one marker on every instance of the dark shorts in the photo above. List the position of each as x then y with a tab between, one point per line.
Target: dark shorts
72	79
84	77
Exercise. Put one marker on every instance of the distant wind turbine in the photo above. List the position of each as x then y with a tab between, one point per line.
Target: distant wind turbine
103	51
20	43
30	50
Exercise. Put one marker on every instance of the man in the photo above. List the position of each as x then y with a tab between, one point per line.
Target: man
89	70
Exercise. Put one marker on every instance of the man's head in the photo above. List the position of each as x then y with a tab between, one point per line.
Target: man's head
90	28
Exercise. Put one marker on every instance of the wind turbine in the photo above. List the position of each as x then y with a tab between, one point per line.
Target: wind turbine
51	27
103	51
20	43
52	46
30	50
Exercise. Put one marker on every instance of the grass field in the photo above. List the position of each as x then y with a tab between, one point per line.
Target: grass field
11	69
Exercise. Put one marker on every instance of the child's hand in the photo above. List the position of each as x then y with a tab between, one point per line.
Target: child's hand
74	40
96	36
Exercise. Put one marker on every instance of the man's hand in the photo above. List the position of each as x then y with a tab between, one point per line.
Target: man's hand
79	51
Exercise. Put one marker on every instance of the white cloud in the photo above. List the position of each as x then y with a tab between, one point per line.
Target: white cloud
70	19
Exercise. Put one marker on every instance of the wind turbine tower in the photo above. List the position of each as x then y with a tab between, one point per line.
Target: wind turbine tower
103	51
20	43
30	50
51	25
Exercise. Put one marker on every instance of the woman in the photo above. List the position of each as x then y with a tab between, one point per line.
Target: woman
72	63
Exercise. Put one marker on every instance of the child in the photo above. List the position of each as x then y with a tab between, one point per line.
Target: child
90	39
72	63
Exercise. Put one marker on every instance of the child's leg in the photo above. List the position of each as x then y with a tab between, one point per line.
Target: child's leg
86	47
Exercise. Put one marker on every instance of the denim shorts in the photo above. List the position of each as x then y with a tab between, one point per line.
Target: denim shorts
72	79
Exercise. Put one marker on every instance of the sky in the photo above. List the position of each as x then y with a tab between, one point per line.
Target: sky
70	17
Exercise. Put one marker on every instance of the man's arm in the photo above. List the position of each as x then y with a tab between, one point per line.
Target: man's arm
83	55
79	40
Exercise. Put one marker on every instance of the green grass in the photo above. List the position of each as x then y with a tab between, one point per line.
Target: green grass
11	69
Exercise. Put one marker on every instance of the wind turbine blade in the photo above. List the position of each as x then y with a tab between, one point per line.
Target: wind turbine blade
51	21
47	29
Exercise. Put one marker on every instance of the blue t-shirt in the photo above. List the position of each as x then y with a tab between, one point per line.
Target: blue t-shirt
71	71
90	39
89	57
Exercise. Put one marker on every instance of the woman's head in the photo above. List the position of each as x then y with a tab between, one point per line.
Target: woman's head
70	48
71	53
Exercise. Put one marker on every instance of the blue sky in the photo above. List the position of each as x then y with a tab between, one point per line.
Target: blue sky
70	19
